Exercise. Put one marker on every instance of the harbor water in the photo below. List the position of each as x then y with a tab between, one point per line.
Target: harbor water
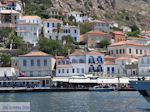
130	101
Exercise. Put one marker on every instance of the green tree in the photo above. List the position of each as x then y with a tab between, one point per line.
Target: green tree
104	43
58	29
17	41
90	3
4	34
85	27
67	39
5	59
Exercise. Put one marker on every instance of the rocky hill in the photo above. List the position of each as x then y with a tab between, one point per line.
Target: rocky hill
123	11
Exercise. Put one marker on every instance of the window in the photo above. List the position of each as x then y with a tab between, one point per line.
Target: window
111	51
38	63
32	62
47	81
39	73
140	51
75	31
102	38
48	25
123	51
53	24
45	62
116	51
108	70
142	61
91	38
24	63
113	69
67	70
63	70
48	31
136	51
148	60
120	51
97	38
130	51
82	70
75	39
78	70
73	70
58	70
56	37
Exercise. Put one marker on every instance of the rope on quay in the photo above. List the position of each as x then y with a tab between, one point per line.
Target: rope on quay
130	103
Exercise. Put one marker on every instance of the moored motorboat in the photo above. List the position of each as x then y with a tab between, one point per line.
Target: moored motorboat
102	89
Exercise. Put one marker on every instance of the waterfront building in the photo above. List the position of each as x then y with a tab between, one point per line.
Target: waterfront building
118	36
11	5
100	25
36	64
125	29
127	49
79	17
126	66
110	69
29	27
51	31
82	63
93	38
144	65
94	63
61	60
8	18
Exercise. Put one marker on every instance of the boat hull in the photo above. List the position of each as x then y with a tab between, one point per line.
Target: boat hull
143	87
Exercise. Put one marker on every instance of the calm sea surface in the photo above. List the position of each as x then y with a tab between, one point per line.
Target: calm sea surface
80	101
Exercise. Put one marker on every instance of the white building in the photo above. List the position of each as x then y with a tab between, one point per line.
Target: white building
11	5
123	68
29	27
51	31
36	63
113	24
144	65
100	25
144	41
82	63
110	69
125	29
79	17
127	49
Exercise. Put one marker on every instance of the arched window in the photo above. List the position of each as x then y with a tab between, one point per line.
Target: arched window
91	59
99	68
99	59
91	68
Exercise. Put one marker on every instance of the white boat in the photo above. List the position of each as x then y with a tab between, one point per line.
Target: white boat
143	87
98	88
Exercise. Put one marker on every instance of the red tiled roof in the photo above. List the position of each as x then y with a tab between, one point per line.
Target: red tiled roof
94	52
118	32
12	0
97	32
98	21
53	19
35	53
124	58
21	31
109	63
127	43
64	66
77	53
109	57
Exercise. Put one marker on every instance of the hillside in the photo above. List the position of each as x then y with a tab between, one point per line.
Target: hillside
123	11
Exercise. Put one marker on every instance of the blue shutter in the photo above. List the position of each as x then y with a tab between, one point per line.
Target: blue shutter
47	24
53	24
